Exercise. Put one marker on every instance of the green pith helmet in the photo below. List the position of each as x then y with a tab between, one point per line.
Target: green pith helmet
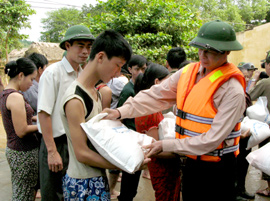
79	32
241	64
266	60
216	35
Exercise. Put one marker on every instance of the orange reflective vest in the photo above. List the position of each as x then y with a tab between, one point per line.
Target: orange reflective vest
195	106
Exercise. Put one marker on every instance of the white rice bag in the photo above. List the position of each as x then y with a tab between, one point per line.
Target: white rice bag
259	131
116	143
166	128
259	110
260	158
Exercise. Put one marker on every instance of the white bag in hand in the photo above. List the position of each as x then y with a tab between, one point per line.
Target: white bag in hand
116	143
259	110
166	128
260	158
259	131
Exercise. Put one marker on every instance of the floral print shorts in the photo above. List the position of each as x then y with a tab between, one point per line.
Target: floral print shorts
91	189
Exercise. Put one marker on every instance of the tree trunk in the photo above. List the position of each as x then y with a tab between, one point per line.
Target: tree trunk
6	45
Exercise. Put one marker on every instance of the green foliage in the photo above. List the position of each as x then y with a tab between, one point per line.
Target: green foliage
267	18
152	27
13	16
241	14
25	43
260	8
57	22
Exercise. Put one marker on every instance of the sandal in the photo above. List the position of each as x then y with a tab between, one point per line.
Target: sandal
264	192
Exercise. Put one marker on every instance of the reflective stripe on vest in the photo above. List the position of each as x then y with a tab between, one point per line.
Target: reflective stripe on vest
183	131
184	115
215	76
226	150
196	118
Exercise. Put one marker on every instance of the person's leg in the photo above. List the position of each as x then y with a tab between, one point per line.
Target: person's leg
242	169
38	195
191	181
62	148
242	164
209	180
24	173
47	184
51	182
265	191
129	185
146	174
113	177
165	178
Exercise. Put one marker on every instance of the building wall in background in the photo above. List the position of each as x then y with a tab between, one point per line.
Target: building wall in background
256	43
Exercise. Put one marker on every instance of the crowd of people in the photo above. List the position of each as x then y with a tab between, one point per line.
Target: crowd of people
43	106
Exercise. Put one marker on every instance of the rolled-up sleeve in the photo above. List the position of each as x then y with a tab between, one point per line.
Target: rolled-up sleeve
47	92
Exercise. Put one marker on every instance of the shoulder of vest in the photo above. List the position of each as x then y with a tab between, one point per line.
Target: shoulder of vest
87	100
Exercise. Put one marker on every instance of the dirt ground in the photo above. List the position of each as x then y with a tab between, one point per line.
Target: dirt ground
3	137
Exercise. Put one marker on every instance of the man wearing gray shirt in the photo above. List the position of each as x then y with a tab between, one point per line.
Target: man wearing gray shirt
31	95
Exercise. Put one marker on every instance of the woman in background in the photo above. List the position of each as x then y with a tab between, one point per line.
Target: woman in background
165	169
22	143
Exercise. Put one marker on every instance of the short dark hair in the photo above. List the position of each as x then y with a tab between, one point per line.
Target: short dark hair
263	75
176	56
137	60
25	65
147	79
184	63
39	59
113	44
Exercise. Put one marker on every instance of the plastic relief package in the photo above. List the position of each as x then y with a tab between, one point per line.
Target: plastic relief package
166	128
259	110
260	158
116	143
259	131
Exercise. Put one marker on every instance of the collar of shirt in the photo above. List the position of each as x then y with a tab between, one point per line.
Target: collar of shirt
68	67
200	73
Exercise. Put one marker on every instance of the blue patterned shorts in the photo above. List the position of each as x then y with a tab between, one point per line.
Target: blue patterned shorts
92	189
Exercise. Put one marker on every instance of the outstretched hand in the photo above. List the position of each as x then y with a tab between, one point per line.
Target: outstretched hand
112	114
245	134
155	149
